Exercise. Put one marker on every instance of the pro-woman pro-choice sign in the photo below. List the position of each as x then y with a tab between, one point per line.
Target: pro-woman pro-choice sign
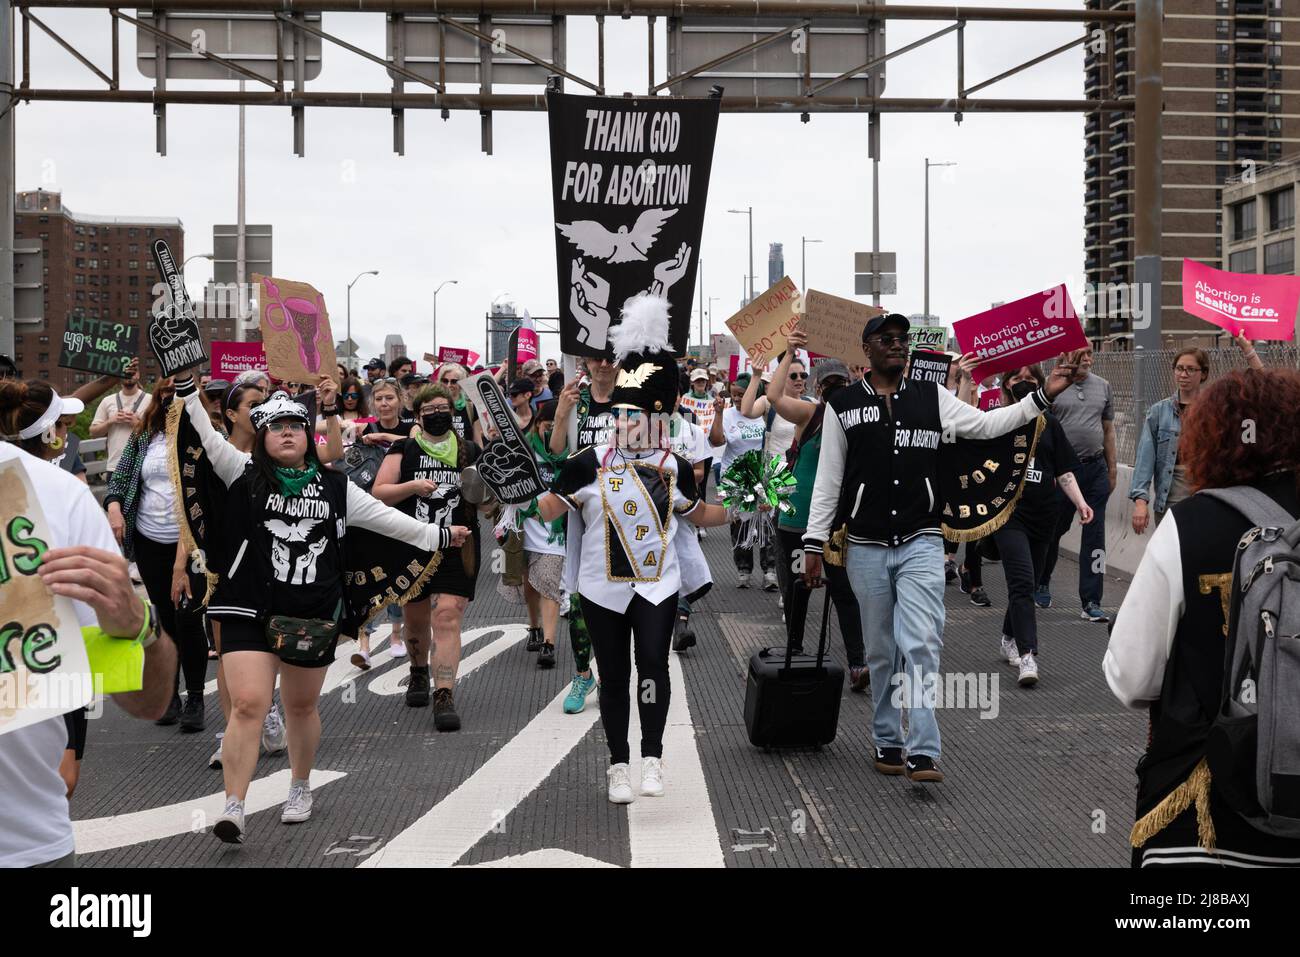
1258	307
1020	333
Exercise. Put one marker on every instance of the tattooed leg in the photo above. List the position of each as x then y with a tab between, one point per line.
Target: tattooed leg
416	619
447	617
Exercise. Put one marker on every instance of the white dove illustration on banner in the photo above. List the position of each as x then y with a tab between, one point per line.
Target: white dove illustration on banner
622	246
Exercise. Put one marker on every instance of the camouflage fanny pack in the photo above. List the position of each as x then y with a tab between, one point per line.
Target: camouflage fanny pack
302	639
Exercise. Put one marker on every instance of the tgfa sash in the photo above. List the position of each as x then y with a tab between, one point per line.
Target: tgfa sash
981	480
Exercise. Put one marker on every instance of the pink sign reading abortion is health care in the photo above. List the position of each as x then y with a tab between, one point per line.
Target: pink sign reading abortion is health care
229	359
1020	333
1259	307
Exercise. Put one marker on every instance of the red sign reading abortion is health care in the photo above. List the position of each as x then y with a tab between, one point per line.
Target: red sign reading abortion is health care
229	359
1020	333
1259	307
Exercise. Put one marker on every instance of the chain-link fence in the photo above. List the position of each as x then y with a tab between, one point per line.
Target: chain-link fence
1139	379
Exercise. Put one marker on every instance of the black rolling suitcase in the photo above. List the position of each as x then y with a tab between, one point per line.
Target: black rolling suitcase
793	701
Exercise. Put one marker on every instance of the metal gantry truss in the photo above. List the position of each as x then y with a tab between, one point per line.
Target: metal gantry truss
288	86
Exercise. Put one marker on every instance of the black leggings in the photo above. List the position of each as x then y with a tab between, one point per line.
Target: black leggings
797	596
1023	559
155	561
650	629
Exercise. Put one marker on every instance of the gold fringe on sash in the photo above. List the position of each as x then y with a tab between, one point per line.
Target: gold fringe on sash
995	523
1195	789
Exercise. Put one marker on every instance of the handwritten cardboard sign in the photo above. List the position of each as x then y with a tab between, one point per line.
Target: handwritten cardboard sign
929	367
835	325
295	330
1258	307
97	346
762	326
930	338
229	359
44	669
1020	333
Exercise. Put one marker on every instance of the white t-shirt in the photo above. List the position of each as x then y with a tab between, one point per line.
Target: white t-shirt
118	434
156	517
742	434
38	828
690	441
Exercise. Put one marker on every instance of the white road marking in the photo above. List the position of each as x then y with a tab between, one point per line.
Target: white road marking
391	681
547	857
446	833
678	829
342	668
121	830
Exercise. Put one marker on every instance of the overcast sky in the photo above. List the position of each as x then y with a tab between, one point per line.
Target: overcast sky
1005	222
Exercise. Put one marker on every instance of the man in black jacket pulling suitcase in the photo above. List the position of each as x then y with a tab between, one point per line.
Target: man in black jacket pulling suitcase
878	475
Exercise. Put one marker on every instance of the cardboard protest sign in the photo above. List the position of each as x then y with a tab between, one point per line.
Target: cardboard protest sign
97	346
229	359
762	326
44	669
295	330
930	338
629	177
929	367
990	399
1020	333
507	465
174	333
1258	307
835	325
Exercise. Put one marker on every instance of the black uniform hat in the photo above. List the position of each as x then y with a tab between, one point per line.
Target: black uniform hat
647	375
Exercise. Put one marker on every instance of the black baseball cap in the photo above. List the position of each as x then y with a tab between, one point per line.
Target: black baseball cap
520	386
376	363
413	378
879	322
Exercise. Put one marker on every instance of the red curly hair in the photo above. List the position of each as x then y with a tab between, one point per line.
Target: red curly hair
1241	428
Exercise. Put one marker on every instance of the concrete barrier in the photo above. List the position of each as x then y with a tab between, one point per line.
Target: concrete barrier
1124	548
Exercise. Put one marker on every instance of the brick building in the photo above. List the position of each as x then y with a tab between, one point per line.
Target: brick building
98	267
1231	101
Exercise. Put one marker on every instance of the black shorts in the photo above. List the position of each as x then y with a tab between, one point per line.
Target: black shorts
451	577
243	634
77	724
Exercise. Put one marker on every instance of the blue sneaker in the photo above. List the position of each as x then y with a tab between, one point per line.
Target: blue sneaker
1092	612
576	700
1043	596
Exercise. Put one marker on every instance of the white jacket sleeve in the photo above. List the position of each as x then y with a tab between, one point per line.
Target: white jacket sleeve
1147	620
830	477
968	422
227	461
366	511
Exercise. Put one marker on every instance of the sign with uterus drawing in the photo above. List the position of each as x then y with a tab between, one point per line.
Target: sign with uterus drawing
295	330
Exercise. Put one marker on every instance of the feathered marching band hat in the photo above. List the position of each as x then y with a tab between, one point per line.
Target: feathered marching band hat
647	377
279	406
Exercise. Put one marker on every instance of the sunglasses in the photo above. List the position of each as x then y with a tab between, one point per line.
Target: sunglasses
901	340
450	381
794	376
287	426
351	395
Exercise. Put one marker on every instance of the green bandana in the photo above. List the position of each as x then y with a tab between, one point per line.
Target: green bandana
459	403
445	451
293	481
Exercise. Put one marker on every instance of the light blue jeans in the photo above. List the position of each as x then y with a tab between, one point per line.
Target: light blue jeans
900	598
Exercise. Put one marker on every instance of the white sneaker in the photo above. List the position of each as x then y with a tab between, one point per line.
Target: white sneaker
703	534
396	648
273	740
652	777
214	762
620	784
769	582
743	580
1010	654
230	826
298	808
1028	670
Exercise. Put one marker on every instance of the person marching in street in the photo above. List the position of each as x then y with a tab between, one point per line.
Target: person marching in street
741	434
118	416
1022	540
1157	457
282	581
141	505
687	439
464	417
353	404
808	418
593	404
878	477
544	544
421	476
631	494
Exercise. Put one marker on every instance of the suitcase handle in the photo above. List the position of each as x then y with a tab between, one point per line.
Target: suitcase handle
821	637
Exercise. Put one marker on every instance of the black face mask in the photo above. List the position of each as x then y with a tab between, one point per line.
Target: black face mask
1022	389
437	423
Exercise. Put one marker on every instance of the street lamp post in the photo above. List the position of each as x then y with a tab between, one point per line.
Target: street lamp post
351	351
928	164
435	310
749	211
803	268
